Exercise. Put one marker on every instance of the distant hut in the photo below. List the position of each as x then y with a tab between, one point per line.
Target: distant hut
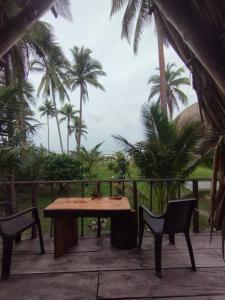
190	114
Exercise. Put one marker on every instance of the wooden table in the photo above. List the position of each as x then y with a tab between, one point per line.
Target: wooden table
65	211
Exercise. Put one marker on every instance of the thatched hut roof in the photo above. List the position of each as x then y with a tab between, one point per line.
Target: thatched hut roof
190	114
196	31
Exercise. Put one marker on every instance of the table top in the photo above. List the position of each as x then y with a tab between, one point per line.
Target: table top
82	205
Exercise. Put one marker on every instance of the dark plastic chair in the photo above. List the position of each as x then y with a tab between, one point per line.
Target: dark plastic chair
11	227
177	219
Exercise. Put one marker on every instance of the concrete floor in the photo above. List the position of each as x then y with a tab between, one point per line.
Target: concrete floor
94	270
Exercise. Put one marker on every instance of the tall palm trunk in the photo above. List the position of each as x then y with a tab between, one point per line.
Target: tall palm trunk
162	67
80	121
48	132
57	121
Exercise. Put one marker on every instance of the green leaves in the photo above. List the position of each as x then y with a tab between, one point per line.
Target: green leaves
174	80
89	159
61	167
166	151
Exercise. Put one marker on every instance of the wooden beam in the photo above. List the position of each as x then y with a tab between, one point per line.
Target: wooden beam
16	27
206	47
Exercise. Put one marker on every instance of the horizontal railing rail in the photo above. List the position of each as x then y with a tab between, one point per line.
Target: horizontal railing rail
122	186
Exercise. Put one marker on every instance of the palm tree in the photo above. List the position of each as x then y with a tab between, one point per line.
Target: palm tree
84	70
142	11
89	159
16	114
174	80
68	113
52	83
74	128
166	151
47	109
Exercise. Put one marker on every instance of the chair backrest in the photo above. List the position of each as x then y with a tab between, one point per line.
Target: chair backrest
178	215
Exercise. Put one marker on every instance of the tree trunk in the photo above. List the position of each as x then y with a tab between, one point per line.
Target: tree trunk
57	122
48	132
207	48
80	121
162	72
17	26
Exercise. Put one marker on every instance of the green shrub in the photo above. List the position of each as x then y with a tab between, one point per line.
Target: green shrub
61	167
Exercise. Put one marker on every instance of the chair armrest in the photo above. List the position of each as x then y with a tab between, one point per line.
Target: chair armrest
151	214
23	212
5	203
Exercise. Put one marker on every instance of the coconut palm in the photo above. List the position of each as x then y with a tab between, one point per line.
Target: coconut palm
68	111
174	79
74	128
16	115
89	160
142	11
52	82
47	109
84	71
166	151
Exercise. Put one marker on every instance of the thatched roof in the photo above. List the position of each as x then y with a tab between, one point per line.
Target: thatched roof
190	114
196	31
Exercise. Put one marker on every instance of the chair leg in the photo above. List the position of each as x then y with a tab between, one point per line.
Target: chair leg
172	239
18	238
158	255
190	250
141	232
40	237
6	257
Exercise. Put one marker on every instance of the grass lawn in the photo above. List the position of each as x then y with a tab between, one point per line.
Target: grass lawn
202	172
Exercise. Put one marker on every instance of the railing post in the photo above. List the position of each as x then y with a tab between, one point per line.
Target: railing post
34	203
196	212
135	194
82	218
110	188
99	219
52	197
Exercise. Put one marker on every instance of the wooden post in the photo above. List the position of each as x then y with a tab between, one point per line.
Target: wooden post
135	194
110	188
207	48
99	219
17	26
34	204
150	195
196	212
52	197
82	218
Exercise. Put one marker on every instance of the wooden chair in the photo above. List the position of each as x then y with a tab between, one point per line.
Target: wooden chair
177	219
11	227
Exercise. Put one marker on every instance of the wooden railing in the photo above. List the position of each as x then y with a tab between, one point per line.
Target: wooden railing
117	186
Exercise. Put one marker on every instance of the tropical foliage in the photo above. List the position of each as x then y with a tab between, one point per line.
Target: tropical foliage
84	71
165	152
68	113
120	165
89	159
143	12
61	167
174	95
75	128
52	84
47	109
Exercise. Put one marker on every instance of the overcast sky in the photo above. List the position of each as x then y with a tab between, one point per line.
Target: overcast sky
117	110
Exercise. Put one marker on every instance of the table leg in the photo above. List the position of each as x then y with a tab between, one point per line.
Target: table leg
124	231
65	234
